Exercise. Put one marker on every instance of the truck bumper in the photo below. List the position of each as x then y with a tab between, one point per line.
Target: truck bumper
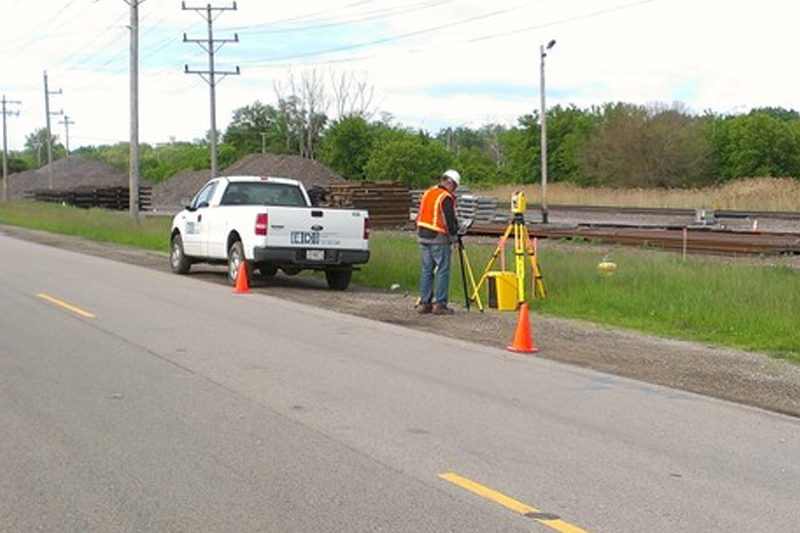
299	257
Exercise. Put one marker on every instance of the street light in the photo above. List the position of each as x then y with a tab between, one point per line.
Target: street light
542	54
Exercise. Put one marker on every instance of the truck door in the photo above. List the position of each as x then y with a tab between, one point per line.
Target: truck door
193	240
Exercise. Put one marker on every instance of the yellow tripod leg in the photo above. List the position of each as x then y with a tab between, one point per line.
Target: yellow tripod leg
519	261
492	259
476	295
537	285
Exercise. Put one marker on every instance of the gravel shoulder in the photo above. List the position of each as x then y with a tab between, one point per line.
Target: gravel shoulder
743	377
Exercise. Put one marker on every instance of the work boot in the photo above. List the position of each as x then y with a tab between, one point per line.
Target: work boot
423	308
441	309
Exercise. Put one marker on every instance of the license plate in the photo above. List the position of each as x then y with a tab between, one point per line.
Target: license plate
315	255
305	237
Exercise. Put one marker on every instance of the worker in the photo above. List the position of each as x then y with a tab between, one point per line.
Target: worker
437	231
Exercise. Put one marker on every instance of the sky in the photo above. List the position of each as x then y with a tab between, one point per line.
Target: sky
431	63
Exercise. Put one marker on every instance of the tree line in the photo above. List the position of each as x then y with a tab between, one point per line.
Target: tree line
615	144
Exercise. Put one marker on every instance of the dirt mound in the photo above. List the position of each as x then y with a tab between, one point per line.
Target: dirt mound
68	172
311	173
168	194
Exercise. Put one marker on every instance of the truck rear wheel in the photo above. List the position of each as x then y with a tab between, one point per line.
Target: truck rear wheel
338	279
235	258
267	271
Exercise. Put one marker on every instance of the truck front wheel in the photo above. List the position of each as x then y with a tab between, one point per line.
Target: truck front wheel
338	279
177	258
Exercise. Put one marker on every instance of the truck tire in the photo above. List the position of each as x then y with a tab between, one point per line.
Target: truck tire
338	279
235	257
266	271
177	258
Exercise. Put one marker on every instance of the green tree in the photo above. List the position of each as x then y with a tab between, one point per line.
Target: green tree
255	128
520	148
762	143
636	146
568	132
347	145
19	161
414	159
36	146
476	166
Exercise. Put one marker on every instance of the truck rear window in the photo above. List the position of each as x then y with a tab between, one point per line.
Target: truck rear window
263	193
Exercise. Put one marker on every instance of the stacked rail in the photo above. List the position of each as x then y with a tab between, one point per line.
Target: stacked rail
112	198
388	202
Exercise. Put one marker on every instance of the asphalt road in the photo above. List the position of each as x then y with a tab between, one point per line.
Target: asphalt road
135	400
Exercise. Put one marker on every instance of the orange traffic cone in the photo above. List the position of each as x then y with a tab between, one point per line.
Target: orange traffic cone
523	342
242	284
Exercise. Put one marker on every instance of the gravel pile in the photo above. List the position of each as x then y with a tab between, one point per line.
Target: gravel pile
68	172
168	194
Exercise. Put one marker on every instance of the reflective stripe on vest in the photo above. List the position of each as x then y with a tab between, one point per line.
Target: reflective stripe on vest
431	215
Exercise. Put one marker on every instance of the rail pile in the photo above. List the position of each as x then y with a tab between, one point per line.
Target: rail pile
696	240
388	202
113	198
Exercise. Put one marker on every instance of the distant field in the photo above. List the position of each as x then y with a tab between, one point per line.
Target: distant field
754	194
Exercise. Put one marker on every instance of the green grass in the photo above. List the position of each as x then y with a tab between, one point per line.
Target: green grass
724	303
150	233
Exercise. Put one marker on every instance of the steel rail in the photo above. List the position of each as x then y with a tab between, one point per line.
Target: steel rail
662	211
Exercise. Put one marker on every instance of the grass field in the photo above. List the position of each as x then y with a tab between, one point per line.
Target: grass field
725	303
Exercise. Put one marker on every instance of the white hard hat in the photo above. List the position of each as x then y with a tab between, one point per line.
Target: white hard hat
453	176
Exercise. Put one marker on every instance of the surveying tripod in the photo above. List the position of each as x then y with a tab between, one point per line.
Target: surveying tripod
522	247
466	268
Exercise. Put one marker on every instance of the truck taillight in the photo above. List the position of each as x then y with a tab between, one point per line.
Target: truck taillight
366	228
261	224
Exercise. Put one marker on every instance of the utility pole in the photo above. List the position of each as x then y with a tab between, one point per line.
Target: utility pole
38	146
66	122
5	144
133	175
47	113
263	142
211	46
543	146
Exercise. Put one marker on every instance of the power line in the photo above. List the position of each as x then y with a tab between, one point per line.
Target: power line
367	17
560	21
385	40
40	33
269	63
311	15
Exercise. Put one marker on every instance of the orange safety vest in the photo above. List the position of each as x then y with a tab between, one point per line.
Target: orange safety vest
431	215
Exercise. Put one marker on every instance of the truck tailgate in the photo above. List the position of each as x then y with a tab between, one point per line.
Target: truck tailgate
310	227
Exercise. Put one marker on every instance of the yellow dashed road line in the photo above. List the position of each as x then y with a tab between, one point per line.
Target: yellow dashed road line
65	305
547	519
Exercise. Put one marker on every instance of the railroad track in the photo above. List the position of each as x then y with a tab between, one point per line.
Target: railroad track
692	239
661	211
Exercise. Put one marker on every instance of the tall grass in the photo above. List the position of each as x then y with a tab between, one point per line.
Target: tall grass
725	303
754	194
96	224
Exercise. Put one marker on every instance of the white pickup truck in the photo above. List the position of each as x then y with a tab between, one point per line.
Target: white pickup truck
270	224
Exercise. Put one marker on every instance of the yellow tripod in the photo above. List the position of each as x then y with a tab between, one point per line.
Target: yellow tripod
522	247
